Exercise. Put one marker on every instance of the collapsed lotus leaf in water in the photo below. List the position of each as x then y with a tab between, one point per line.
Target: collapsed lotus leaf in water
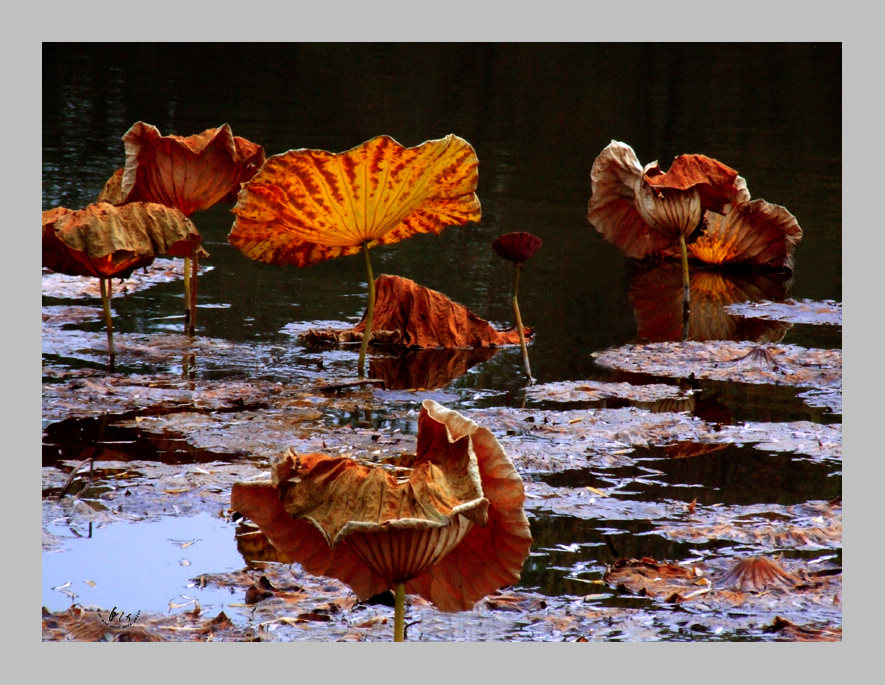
307	206
449	523
411	316
102	240
186	172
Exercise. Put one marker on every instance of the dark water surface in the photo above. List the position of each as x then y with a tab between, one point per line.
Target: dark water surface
537	115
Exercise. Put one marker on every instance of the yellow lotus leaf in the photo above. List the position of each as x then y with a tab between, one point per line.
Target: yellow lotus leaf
102	240
186	172
307	206
755	232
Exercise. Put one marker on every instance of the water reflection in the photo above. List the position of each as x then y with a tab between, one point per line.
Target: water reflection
656	296
426	369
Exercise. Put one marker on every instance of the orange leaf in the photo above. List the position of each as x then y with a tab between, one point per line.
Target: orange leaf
189	173
754	232
307	206
103	240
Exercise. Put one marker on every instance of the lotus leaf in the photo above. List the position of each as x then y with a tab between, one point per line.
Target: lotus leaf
448	524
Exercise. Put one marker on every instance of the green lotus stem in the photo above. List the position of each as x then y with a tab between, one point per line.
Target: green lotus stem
399	613
106	306
686	290
370	312
525	352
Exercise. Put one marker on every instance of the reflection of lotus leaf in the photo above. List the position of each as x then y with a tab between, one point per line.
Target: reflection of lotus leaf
427	369
656	295
307	206
452	527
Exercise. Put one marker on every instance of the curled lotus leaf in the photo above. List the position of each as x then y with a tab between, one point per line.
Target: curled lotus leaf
448	521
755	232
409	315
616	176
644	210
307	206
186	172
717	184
103	240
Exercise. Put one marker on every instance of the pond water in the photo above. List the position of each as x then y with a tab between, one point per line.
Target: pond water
537	115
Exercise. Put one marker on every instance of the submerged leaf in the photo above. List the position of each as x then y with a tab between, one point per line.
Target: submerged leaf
307	206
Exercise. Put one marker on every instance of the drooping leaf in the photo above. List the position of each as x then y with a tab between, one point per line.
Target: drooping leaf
754	232
103	240
186	172
307	206
451	525
717	184
615	178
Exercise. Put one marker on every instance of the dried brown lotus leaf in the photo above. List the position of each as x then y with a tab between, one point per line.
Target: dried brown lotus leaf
104	240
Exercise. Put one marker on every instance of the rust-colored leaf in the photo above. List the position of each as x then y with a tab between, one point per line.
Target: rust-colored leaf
652	578
451	526
717	184
754	232
186	172
103	240
408	315
757	574
307	206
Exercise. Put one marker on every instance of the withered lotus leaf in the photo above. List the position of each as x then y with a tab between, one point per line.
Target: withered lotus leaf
757	574
306	206
717	184
644	210
754	232
517	247
449	522
103	240
412	316
615	178
186	172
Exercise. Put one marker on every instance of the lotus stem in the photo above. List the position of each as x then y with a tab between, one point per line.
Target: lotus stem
106	291
525	352
399	613
686	290
370	312
190	294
